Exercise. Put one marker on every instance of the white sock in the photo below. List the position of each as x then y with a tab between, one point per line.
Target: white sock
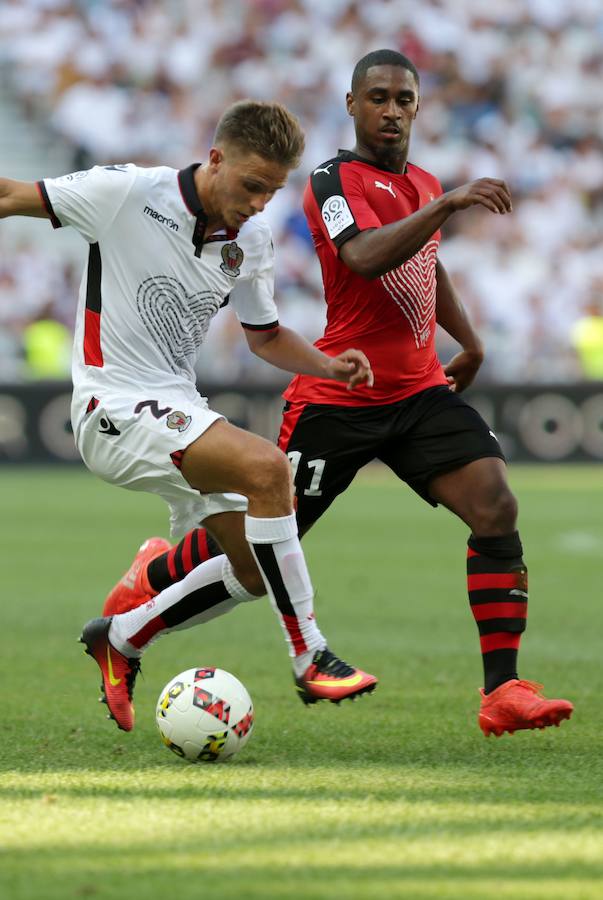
278	553
207	592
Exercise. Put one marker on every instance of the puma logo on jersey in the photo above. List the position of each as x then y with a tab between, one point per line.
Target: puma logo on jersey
325	170
385	187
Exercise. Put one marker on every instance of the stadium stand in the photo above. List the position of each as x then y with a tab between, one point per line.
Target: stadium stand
509	90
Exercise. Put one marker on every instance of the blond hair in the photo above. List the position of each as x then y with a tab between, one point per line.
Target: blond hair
267	129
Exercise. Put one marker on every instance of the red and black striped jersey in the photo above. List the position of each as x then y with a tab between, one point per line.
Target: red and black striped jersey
392	317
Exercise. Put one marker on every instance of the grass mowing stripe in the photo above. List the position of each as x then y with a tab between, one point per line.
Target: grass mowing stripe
398	795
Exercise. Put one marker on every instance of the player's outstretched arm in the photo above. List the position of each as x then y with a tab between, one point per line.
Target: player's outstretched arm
288	350
20	198
453	317
377	250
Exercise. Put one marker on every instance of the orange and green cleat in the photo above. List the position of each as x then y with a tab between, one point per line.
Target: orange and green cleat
133	589
119	673
518	704
329	678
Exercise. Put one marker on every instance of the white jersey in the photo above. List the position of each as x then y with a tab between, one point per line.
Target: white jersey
149	292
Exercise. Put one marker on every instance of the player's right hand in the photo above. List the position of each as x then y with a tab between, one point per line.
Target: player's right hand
462	369
351	366
489	192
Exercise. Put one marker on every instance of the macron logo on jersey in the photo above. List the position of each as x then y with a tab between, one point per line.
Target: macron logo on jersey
164	220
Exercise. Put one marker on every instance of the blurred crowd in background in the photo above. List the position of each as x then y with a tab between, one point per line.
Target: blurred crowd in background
509	88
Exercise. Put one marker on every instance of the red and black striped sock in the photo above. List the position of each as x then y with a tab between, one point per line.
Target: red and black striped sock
497	581
170	567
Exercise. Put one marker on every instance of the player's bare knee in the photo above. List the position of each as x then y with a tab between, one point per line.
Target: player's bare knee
496	514
505	509
270	474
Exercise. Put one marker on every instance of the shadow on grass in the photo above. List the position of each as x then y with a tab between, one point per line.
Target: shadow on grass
527	766
572	805
280	880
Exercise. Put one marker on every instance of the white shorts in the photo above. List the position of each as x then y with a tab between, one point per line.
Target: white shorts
139	446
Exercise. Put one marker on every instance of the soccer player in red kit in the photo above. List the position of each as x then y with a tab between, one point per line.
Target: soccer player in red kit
375	220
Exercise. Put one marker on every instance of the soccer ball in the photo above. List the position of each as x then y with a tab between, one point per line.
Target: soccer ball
204	715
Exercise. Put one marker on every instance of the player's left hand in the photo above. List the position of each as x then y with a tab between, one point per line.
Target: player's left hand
351	366
462	369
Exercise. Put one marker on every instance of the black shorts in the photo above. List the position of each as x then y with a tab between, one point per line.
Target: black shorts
428	434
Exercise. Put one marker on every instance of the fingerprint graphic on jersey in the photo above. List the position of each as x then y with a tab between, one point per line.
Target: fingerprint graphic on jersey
413	287
176	320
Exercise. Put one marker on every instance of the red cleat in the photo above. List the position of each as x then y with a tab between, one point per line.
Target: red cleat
133	589
518	704
119	673
329	678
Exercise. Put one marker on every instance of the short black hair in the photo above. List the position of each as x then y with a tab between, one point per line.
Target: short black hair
381	58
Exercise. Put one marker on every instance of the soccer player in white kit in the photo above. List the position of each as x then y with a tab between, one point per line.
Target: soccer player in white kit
167	249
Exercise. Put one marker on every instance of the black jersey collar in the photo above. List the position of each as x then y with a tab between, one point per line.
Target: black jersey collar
186	182
348	156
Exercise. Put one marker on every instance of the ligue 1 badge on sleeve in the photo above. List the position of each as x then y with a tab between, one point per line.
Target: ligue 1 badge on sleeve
232	257
336	215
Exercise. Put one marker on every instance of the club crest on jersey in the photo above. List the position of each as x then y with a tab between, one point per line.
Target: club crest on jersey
232	257
178	421
336	214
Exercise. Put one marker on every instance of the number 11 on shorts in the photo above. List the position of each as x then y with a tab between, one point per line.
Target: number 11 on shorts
318	465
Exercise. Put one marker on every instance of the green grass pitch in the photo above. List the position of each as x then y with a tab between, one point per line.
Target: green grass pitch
397	795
